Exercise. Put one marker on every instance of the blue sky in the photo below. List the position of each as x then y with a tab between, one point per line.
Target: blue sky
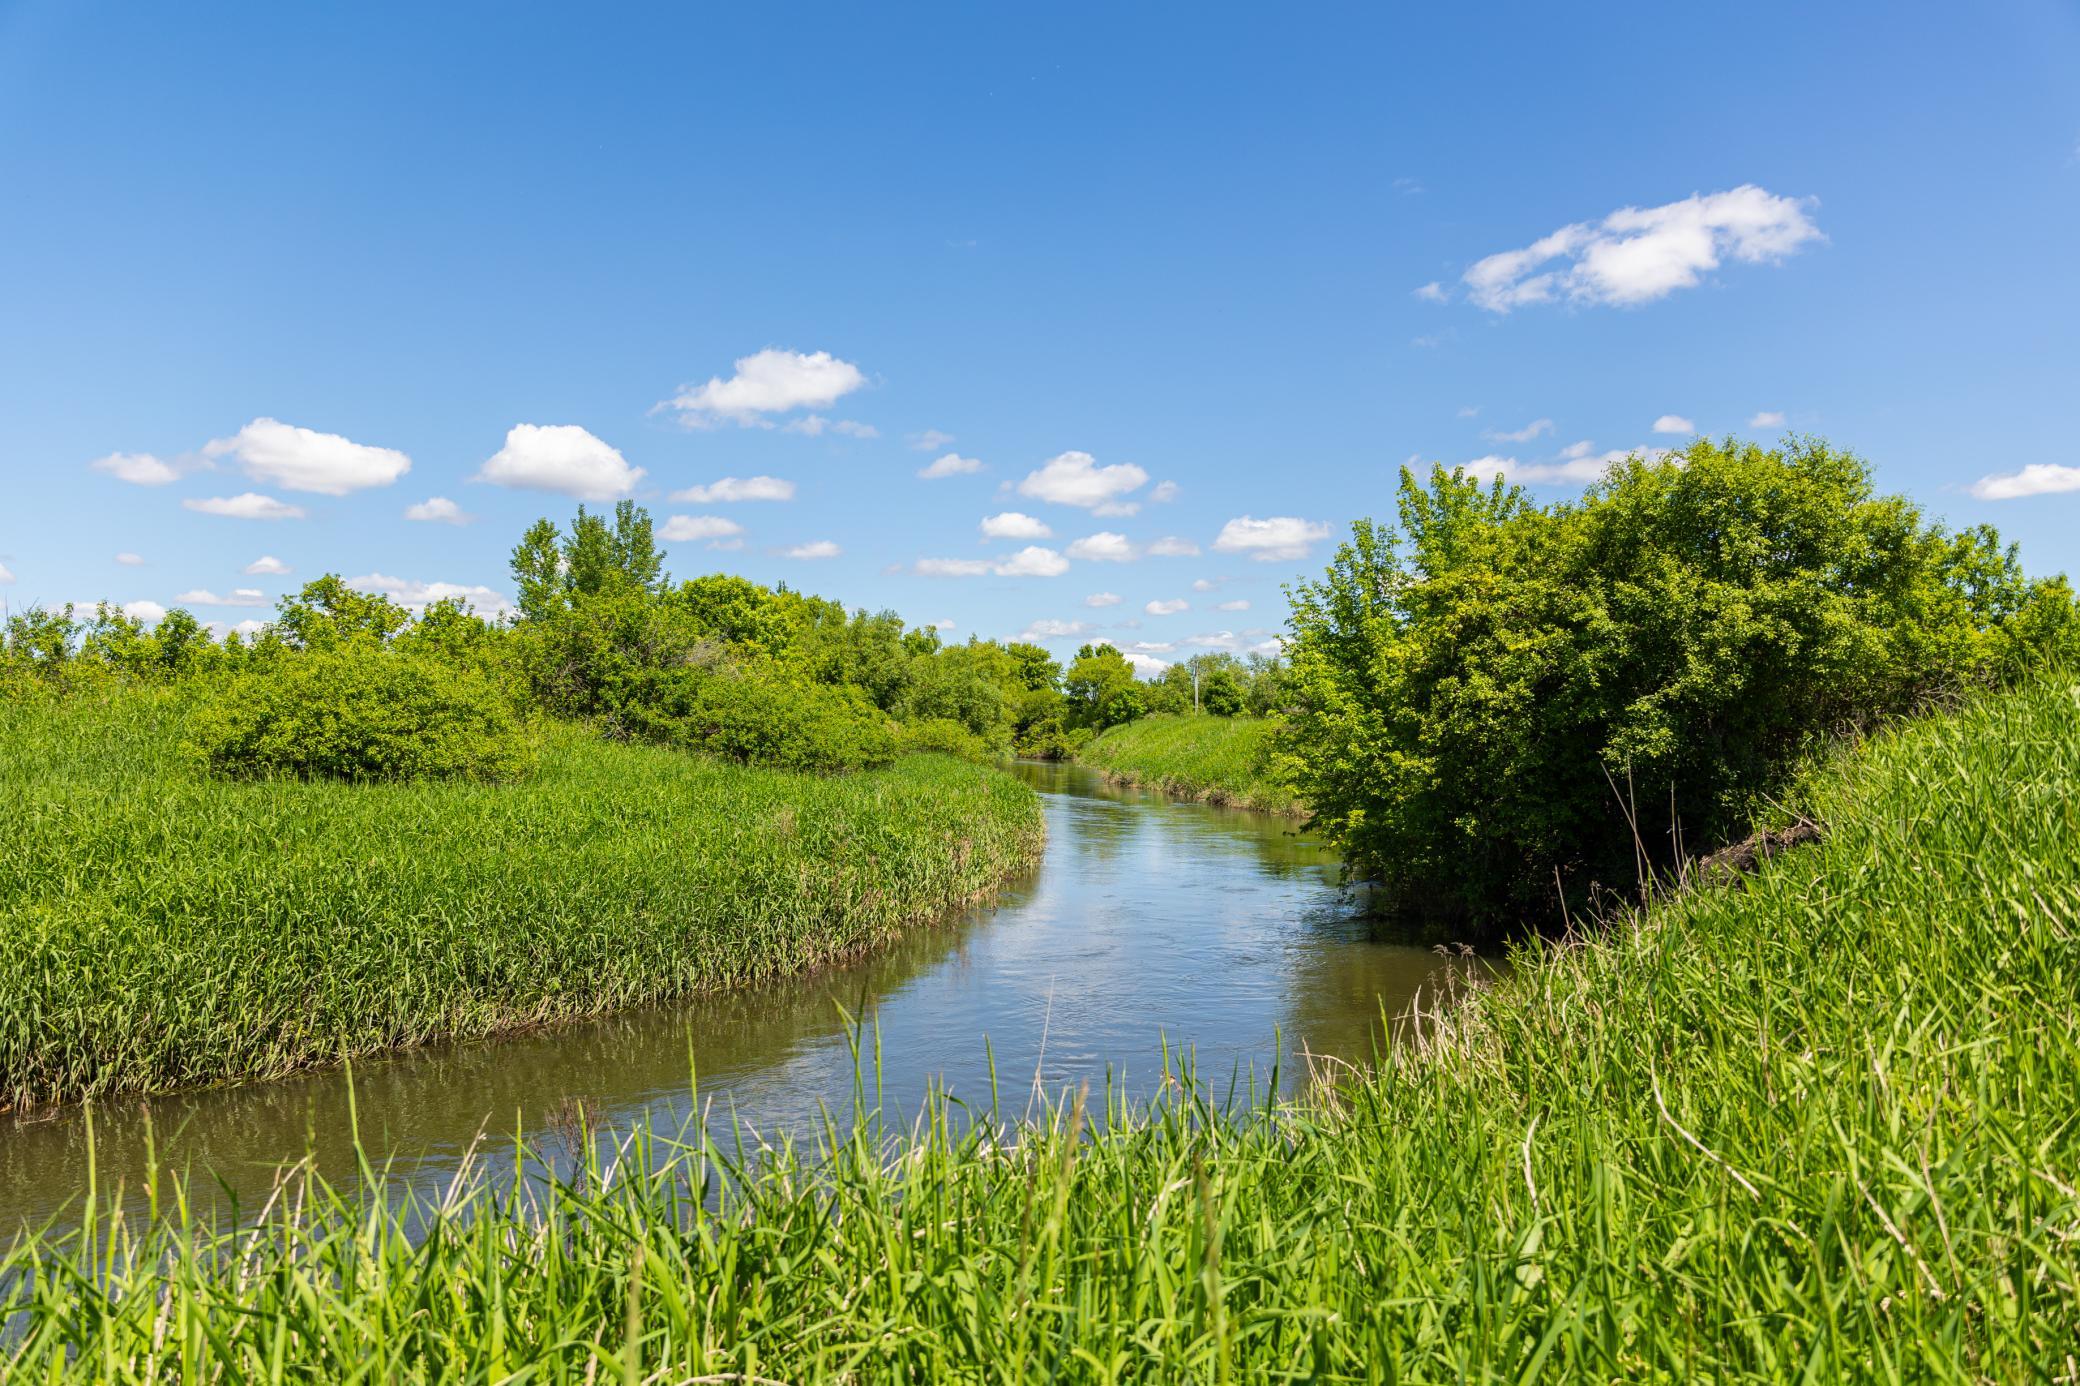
352	260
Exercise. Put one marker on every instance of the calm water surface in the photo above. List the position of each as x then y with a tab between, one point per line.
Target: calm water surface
1221	932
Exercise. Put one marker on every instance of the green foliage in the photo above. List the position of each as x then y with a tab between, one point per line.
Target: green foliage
1499	693
1221	760
1101	688
945	736
161	928
1818	1129
758	717
327	613
357	712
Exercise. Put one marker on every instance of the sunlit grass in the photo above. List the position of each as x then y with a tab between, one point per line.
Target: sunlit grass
1222	760
1821	1127
160	929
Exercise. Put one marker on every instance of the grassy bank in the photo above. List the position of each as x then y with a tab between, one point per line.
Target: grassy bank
160	929
1820	1127
1220	760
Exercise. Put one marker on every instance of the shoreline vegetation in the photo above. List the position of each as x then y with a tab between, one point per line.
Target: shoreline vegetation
1816	1124
165	929
1205	758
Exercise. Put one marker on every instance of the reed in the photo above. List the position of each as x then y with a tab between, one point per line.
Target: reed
161	929
1219	760
1818	1126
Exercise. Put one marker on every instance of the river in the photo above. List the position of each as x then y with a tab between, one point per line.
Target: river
1221	933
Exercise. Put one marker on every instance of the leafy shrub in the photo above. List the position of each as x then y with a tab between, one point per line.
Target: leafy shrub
358	712
755	718
946	735
1501	695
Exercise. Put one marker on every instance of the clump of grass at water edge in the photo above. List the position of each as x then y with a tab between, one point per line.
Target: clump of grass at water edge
1220	760
1816	1126
160	929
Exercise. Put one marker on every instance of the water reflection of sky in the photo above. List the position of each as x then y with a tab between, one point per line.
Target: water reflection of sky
1224	934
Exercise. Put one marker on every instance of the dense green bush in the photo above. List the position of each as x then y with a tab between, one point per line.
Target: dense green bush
1502	697
755	717
358	712
944	734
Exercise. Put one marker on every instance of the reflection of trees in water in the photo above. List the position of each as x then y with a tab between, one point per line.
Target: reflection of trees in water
1349	993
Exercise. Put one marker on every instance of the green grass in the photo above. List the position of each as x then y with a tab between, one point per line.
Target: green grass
1221	760
160	929
1823	1127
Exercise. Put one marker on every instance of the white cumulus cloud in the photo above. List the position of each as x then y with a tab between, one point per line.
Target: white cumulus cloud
1674	423
952	567
237	596
438	510
767	382
6	573
816	425
1075	478
814	549
268	564
413	595
1170	546
1638	254
1766	418
931	440
303	459
682	529
1103	547
1146	666
1014	525
150	613
1050	628
130	560
1432	292
1239	604
138	468
2036	479
1521	435
1164	492
1167	608
1101	599
1033	561
952	464
1280	538
730	488
1578	465
563	458
247	505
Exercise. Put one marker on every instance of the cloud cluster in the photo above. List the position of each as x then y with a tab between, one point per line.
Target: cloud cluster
686	529
438	510
952	464
1638	254
730	489
1280	538
302	459
1167	608
138	468
1013	524
1103	547
1030	561
766	383
563	458
247	505
2036	479
1075	478
237	596
268	565
417	596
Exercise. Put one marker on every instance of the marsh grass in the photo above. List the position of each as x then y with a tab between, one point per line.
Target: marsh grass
161	929
1821	1127
1219	760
